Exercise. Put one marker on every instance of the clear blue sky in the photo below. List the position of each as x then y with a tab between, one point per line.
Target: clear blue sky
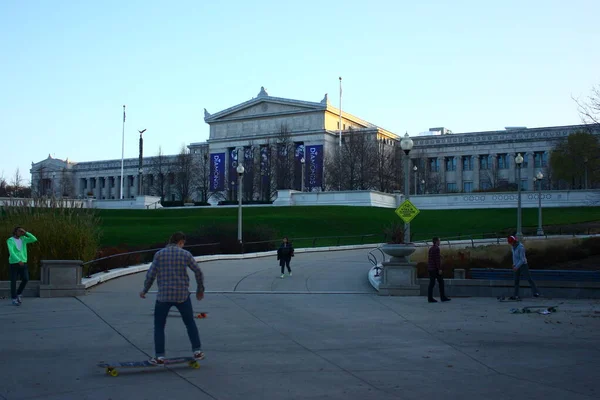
67	67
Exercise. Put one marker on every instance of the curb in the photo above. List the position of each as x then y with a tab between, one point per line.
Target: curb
101	277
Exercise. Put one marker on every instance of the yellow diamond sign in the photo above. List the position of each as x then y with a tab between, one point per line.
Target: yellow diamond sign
407	211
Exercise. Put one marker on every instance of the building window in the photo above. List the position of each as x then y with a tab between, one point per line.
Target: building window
434	164
467	187
450	163
467	163
540	159
485	184
502	161
451	187
524	184
485	162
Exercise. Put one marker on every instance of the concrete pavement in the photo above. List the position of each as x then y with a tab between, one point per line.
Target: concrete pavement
323	333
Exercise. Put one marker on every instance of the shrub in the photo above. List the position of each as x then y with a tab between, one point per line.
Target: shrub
64	231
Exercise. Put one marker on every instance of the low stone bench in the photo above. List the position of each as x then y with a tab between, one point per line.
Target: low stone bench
537	274
61	278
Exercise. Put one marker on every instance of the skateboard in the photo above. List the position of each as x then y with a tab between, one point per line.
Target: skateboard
540	310
199	315
112	367
504	298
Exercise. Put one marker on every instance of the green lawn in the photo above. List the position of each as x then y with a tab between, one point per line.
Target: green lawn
145	227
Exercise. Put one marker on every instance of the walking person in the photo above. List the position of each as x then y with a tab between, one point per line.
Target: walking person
169	268
284	255
520	267
434	267
17	260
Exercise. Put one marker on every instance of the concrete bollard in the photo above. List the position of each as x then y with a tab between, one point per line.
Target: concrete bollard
61	278
460	274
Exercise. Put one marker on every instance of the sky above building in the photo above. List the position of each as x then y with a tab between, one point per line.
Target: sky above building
68	67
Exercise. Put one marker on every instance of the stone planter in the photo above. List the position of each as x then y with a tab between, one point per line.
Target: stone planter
398	252
399	274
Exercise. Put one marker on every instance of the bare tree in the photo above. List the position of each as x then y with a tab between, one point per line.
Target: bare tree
159	168
3	186
589	109
184	170
386	163
283	159
202	178
491	175
67	184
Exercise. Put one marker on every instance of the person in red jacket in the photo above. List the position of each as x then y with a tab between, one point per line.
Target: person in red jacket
434	267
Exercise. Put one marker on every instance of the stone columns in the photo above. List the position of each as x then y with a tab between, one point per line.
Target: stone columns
512	167
476	179
459	173
530	168
136	188
442	173
98	188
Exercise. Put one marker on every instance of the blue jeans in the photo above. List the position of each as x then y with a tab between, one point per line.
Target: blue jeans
524	270
18	271
161	312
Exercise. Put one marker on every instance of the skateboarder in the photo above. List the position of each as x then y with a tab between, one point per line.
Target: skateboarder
434	267
169	268
17	260
520	267
284	255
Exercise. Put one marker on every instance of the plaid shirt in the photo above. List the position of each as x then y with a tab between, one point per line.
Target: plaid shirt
434	261
169	268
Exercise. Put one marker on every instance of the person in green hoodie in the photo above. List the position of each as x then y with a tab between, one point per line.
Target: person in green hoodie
17	260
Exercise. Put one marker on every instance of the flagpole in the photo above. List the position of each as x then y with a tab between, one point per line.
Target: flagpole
122	152
340	134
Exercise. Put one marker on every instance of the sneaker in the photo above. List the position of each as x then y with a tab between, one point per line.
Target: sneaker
446	299
432	300
282	276
515	298
15	302
157	360
290	274
20	299
199	355
536	295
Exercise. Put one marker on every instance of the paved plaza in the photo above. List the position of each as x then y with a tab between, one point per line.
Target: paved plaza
323	333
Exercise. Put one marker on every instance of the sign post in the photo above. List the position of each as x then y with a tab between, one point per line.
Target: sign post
407	212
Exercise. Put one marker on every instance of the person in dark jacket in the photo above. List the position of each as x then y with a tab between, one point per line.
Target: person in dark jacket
434	267
284	255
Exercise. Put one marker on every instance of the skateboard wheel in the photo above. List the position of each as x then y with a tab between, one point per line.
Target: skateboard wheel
114	372
196	365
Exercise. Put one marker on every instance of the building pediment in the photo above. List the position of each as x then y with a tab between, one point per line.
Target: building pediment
263	106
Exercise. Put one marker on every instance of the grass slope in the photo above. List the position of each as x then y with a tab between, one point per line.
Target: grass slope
144	227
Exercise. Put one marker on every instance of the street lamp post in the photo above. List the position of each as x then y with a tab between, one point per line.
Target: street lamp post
415	169
422	186
140	162
303	161
240	171
519	162
406	144
539	176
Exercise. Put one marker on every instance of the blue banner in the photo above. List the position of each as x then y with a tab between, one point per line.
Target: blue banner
314	160
217	172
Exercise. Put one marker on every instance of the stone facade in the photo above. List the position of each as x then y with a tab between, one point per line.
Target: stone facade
446	162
